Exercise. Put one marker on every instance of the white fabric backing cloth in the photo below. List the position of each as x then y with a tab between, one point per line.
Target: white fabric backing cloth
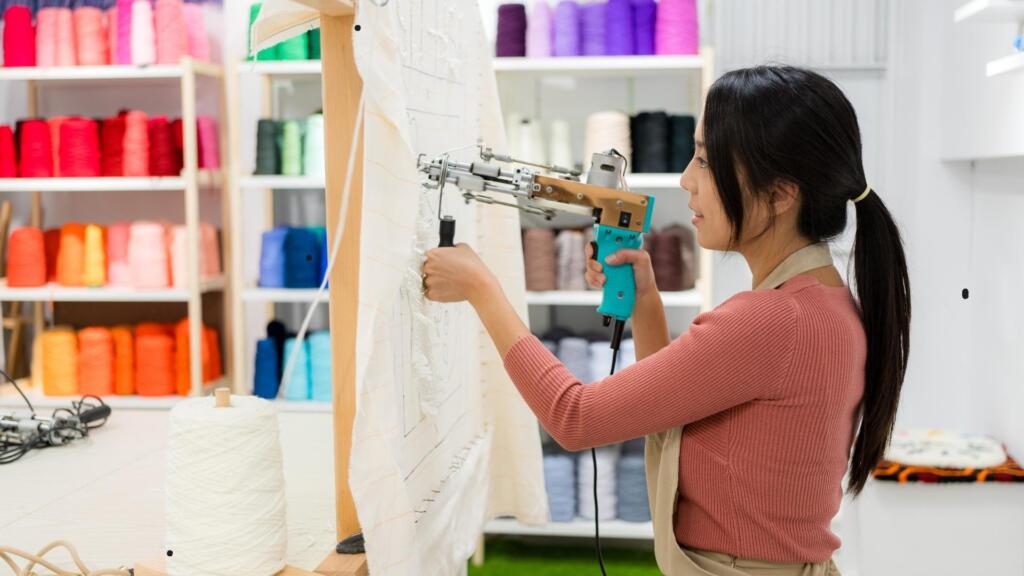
442	441
944	449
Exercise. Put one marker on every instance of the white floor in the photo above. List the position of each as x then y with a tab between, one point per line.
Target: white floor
105	494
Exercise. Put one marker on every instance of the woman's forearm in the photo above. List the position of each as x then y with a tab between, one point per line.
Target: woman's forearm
498	316
650	328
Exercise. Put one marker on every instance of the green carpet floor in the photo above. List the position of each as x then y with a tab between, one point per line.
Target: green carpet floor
511	557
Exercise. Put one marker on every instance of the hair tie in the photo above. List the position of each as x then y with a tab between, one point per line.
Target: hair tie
863	194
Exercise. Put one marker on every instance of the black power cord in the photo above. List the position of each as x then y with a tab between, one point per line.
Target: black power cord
616	340
63	426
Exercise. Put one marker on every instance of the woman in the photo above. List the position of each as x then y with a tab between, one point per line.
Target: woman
751	414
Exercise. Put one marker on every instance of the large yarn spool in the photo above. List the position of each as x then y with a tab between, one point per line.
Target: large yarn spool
195	31
225	488
19	37
26	258
272	258
147	255
566	36
111	22
291	148
683	237
123	45
213	368
650	132
298	385
268	154
95	361
572	260
540	259
301	259
607	463
631	488
51	241
35	152
171	41
91	36
313	146
592	40
574	353
136	143
8	154
511	36
94	266
644	18
539	30
60	362
119	270
71	257
681	147
112	145
619	28
321	385
209	251
154	360
124	360
560	484
209	150
54	123
143	34
164	159
608	129
266	373
676	29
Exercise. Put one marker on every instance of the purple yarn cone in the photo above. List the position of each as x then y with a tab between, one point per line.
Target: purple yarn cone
644	15
567	29
592	26
511	39
618	28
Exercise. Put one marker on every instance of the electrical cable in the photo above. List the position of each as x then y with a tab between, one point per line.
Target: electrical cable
6	553
616	340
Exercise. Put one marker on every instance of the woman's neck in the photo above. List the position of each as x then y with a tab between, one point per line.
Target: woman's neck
766	253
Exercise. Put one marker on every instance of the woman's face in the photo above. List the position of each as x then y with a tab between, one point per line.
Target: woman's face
713	229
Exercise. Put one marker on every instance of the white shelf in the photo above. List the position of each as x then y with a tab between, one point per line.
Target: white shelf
106	184
57	293
601	65
281	68
306	295
577	528
1006	65
668	181
96	74
686	299
281	182
990	11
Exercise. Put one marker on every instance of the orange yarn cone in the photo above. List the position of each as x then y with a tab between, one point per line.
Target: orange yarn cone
213	345
71	256
60	362
95	361
183	357
154	360
124	360
51	238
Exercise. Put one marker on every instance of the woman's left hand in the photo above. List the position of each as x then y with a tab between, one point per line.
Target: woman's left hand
455	274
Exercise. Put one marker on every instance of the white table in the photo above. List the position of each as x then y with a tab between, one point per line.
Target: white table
106	494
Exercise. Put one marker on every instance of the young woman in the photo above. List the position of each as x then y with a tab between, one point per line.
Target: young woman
750	415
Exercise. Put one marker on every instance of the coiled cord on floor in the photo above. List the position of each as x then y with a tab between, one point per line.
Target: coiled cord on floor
6	553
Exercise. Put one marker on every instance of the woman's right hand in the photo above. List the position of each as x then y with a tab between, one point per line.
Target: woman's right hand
643	272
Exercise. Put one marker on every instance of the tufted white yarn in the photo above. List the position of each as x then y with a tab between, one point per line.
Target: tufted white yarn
609	129
225	489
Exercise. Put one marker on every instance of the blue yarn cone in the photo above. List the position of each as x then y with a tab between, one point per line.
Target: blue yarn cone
265	378
301	259
272	258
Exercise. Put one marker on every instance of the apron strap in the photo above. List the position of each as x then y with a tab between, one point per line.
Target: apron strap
809	257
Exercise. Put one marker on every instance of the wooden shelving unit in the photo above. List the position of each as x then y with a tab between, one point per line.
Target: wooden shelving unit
185	77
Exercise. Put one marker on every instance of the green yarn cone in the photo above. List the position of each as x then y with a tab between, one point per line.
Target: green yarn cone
291	149
314	43
294	48
266	53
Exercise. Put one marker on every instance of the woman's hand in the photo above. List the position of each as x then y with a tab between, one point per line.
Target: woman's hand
643	272
455	275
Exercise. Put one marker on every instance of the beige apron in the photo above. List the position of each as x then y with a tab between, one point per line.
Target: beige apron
661	456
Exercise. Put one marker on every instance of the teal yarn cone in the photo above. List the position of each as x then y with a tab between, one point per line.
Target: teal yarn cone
313	147
320	366
297	387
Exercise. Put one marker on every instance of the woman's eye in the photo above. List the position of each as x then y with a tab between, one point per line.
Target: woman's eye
702	162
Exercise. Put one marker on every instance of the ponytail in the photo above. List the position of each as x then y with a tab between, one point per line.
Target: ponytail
883	288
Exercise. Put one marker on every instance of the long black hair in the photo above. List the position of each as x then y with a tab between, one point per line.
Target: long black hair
779	124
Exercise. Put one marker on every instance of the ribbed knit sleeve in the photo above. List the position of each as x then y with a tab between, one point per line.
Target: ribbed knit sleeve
731	355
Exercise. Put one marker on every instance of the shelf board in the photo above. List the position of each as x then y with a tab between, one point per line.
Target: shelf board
685	299
578	528
306	295
10	399
990	11
601	65
282	68
97	74
57	293
669	181
281	182
1006	64
206	179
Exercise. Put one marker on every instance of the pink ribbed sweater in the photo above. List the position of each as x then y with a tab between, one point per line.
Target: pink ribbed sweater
767	386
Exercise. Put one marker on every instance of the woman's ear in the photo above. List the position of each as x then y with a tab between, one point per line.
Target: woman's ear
785	195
